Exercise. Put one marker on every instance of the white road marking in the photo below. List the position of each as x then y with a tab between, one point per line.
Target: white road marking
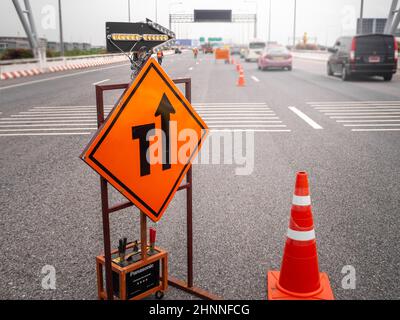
239	118
244	121
357	107
350	102
231	108
229	103
98	82
39	120
362	113
374	120
71	107
47	129
373	125
366	130
26	117
253	125
59	77
306	118
39	125
47	121
247	130
360	110
362	117
43	134
255	79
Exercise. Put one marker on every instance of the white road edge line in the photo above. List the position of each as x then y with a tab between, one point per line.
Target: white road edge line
60	77
366	130
306	118
98	82
248	130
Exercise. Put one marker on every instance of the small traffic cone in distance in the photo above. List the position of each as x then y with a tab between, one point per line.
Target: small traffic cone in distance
299	278
241	82
238	67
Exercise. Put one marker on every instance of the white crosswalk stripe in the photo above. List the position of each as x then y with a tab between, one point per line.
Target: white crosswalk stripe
362	116
82	120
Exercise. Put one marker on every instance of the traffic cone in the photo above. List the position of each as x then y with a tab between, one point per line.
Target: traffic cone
241	82
238	67
299	278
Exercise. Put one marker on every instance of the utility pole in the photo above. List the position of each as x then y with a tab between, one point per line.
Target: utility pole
61	30
294	24
269	21
156	10
361	16
129	10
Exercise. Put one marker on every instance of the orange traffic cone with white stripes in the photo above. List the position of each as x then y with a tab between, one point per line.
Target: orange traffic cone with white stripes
299	278
241	82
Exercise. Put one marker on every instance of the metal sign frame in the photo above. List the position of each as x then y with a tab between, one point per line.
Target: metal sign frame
107	209
236	18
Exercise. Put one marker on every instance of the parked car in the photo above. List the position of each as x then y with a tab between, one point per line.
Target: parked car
369	55
275	57
178	51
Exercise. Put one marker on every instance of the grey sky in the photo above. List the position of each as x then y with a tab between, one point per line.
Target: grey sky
83	20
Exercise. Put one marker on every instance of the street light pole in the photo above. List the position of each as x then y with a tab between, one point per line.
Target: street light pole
129	10
61	29
156	10
269	21
294	23
255	18
361	16
169	12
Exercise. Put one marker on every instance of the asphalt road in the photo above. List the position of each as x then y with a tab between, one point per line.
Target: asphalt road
50	200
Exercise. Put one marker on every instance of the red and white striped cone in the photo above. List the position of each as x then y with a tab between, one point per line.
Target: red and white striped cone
299	277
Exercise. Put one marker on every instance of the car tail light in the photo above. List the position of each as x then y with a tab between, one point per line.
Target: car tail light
396	50
353	50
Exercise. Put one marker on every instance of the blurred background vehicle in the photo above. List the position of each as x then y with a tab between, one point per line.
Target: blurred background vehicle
178	50
254	50
275	57
369	55
207	48
235	50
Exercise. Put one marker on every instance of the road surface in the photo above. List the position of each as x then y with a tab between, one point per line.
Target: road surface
344	134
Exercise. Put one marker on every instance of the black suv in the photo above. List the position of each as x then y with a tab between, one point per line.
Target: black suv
370	55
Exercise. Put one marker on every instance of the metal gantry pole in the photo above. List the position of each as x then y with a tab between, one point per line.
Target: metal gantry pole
294	23
61	29
25	25
391	15
269	21
156	10
361	16
129	10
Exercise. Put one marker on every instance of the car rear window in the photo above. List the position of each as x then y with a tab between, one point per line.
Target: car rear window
277	51
375	43
257	45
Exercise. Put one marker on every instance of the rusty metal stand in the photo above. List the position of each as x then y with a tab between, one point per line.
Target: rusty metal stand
106	209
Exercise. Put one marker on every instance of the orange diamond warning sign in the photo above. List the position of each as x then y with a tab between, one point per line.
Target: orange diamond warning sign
147	143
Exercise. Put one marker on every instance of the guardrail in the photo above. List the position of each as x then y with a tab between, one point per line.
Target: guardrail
34	60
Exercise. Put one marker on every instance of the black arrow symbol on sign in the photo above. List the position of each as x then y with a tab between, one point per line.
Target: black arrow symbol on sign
164	110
